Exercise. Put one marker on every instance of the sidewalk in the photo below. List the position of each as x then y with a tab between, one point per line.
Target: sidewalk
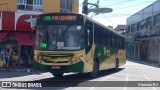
16	70
144	62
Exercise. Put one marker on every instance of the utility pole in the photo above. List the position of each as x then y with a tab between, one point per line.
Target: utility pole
97	6
96	10
85	7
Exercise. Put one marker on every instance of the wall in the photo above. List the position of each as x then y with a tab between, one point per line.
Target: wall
51	6
54	6
8	5
48	5
75	6
152	9
153	54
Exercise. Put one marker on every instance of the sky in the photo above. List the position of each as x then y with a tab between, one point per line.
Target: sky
122	9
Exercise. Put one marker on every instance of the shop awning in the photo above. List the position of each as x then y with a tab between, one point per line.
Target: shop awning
2	35
23	38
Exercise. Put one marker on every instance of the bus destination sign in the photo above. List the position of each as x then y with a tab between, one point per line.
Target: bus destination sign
60	18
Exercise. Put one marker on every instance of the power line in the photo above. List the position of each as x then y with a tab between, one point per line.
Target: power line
117	4
109	19
133	5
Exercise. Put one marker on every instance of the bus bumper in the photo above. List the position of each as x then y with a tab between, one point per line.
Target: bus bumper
78	67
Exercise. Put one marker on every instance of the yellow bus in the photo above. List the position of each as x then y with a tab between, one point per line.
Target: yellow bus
70	42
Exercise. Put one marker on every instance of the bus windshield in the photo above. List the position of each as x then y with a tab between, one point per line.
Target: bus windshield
59	37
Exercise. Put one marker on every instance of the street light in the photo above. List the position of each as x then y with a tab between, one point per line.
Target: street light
100	10
97	11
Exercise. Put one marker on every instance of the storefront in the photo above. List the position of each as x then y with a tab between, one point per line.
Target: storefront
15	30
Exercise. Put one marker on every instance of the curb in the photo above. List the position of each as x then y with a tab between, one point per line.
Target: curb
145	62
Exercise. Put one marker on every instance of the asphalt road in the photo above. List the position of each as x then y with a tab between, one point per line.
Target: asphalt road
132	76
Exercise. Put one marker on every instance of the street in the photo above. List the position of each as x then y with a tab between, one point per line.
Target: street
130	72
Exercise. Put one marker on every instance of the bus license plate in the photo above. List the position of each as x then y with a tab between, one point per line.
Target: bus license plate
55	67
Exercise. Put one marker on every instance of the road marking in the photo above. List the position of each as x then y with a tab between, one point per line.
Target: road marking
98	82
148	79
126	83
28	77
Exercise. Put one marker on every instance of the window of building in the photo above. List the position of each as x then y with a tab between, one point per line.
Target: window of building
30	5
37	2
128	29
149	22
66	5
138	26
143	24
157	19
21	4
21	1
133	27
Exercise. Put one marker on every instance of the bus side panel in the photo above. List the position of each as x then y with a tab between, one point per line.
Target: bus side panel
122	57
106	56
88	63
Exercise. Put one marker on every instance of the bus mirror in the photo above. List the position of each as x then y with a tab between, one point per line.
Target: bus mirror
88	37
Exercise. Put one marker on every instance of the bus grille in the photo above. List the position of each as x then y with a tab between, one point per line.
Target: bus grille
56	61
56	58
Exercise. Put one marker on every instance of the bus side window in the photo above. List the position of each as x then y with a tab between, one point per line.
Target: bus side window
101	37
96	35
111	40
117	42
90	28
123	43
108	38
120	42
89	35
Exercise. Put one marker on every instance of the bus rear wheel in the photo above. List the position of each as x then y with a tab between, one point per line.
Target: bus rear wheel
95	71
57	75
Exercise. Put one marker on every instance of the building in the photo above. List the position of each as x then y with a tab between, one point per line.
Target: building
121	29
143	35
15	16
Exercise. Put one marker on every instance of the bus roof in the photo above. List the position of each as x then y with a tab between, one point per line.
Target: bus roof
110	29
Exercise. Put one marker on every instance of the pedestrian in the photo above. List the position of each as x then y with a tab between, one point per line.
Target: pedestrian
1	63
4	57
20	63
11	57
15	59
24	57
7	58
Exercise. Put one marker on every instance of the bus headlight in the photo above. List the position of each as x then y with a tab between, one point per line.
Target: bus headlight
35	57
75	61
38	58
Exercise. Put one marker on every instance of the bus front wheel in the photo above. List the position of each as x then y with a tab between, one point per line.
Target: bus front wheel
57	75
95	71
